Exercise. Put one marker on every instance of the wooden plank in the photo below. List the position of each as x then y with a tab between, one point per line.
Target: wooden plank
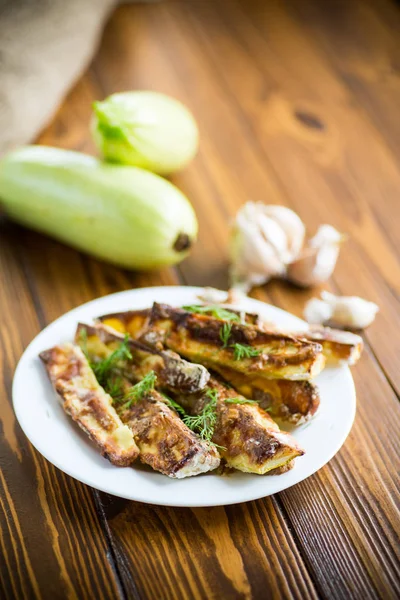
241	551
45	515
292	163
352	514
362	44
341	520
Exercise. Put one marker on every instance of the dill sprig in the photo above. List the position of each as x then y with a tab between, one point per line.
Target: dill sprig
204	423
214	311
239	350
174	405
240	401
242	351
115	388
140	389
225	334
104	368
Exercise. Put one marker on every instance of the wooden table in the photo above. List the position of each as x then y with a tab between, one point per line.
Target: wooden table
298	103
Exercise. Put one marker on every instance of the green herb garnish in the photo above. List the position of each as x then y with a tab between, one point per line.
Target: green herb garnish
114	387
172	404
204	423
242	351
225	333
137	391
103	369
215	311
239	350
240	401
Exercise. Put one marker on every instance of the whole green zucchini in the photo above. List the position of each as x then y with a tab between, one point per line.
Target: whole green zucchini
145	129
121	214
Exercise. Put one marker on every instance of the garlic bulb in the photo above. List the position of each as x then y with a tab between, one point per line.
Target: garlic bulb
317	261
340	311
264	239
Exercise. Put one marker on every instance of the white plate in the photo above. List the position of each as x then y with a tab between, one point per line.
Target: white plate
56	437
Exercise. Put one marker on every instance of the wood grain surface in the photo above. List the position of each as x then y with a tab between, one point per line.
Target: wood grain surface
298	104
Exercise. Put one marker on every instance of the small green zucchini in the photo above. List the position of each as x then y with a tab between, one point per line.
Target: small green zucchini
121	214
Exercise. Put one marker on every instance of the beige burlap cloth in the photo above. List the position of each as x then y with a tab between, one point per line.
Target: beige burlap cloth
44	47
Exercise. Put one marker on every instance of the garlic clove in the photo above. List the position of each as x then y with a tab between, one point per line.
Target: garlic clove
347	312
350	311
235	297
213	296
326	234
302	271
261	243
317	312
293	227
273	233
317	261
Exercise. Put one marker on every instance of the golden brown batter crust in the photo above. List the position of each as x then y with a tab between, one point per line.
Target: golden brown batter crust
88	404
198	337
250	440
173	372
164	441
293	401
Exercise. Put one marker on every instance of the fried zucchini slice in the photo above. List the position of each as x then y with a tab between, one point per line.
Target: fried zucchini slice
244	348
165	442
339	347
85	401
292	401
248	439
173	372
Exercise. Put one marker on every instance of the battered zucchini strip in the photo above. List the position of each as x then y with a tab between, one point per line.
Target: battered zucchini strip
244	348
292	401
86	402
173	372
248	439
338	346
164	441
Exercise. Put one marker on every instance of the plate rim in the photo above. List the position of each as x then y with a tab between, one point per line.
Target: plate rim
103	488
